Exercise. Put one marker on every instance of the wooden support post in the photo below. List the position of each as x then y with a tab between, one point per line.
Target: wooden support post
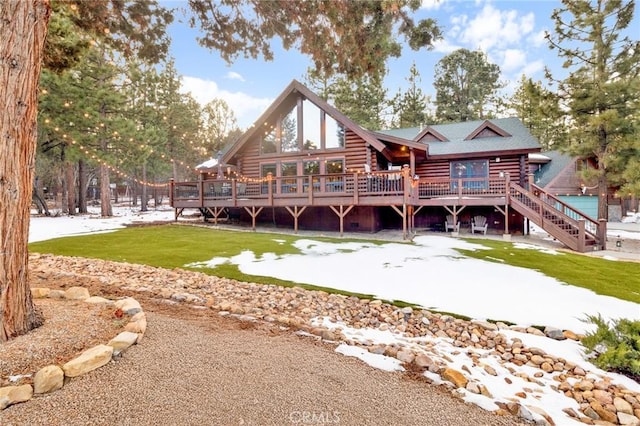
581	236
403	214
296	214
341	214
171	191
253	213
602	233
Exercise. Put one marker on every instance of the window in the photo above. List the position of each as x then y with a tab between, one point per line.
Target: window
334	183
335	166
311	167
269	139
334	135
289	131
474	172
288	184
265	169
311	137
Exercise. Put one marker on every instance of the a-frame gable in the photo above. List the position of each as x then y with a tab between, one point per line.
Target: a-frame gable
487	130
429	134
293	88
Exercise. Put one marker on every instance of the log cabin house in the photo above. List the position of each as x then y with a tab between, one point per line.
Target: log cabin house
303	164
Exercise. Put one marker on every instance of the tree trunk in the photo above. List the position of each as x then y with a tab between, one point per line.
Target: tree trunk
144	198
603	202
70	181
82	188
105	192
22	36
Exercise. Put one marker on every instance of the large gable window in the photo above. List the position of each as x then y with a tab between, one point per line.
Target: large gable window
269	140
311	133
334	137
289	132
305	127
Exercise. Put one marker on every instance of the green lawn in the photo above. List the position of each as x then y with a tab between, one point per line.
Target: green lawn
619	279
172	246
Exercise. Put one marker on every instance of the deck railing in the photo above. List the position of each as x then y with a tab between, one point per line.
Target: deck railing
468	187
387	183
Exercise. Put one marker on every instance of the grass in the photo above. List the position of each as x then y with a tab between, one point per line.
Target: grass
618	279
173	246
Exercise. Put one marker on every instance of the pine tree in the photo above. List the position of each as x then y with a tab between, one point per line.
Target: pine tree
410	107
601	89
466	86
540	112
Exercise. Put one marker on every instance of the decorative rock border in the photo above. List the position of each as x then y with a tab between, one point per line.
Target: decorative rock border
599	399
51	377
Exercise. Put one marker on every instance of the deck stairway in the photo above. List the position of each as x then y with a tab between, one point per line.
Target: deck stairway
566	224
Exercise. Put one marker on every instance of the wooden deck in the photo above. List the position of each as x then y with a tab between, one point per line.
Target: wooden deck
395	189
359	189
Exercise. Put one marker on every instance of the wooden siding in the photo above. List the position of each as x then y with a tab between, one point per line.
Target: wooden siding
442	168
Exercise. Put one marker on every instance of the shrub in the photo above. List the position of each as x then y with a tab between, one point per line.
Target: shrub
614	346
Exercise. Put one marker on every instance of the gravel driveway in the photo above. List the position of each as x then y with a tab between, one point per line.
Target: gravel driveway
196	368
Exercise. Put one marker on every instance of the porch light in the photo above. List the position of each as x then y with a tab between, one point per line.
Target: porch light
501	174
497	159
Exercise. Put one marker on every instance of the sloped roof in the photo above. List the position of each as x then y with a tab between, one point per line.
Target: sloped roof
548	172
512	135
291	90
518	137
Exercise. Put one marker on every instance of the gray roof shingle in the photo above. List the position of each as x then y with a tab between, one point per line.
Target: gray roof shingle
456	133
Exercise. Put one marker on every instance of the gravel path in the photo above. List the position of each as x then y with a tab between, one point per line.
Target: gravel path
196	368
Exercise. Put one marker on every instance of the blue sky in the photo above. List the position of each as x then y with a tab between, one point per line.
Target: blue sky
511	33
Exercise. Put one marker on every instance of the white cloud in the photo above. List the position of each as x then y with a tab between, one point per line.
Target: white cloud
247	108
432	4
533	67
537	39
493	28
512	59
232	75
444	46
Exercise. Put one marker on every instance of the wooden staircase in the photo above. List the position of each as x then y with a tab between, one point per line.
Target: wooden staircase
571	227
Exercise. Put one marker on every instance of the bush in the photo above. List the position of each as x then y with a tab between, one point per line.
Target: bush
615	346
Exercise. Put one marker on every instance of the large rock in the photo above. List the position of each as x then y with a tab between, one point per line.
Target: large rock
10	395
604	414
622	406
138	324
98	300
123	341
48	379
628	419
40	292
554	333
455	377
89	360
76	293
129	306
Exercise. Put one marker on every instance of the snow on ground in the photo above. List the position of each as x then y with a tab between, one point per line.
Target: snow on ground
47	227
432	274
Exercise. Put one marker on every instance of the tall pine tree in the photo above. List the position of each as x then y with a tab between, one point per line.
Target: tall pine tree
601	87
